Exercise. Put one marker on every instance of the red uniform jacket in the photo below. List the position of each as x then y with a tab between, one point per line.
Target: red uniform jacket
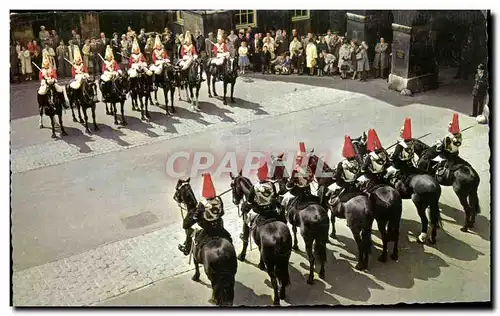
53	74
215	49
73	70
164	55
116	67
131	60
193	51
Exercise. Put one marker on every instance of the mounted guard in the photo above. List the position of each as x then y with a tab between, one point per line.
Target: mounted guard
221	53
188	52
80	72
209	217
137	62
110	69
448	148
160	57
402	157
48	79
377	160
346	173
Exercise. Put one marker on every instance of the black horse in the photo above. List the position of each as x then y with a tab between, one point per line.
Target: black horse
140	88
462	177
273	239
83	98
192	79
166	82
216	254
116	91
356	208
387	206
229	75
424	191
51	104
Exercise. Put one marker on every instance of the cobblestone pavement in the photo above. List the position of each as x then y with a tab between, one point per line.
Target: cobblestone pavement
70	196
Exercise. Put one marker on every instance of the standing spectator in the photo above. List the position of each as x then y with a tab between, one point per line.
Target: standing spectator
345	60
269	41
55	39
94	55
17	64
232	49
328	40
13	61
36	53
321	62
130	32
465	59
26	68
311	55
73	34
78	42
124	46
295	47
51	53
43	35
142	39
243	58
278	40
115	46
294	34
322	46
148	49
232	38
363	65
200	43
250	30
381	61
255	52
61	53
209	43
71	50
86	53
285	43
354	48
265	59
479	91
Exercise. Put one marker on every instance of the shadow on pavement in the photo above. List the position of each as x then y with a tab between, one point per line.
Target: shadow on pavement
192	115
213	109
245	296
140	126
110	133
244	104
482	227
77	138
167	121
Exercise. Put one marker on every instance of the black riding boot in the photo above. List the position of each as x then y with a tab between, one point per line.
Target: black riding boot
188	243
245	234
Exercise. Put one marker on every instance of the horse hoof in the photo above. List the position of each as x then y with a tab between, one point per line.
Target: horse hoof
262	266
464	229
432	241
82	121
124	123
310	280
54	136
75	120
116	123
333	235
233	101
358	267
173	110
88	131
196	278
225	103
394	256
282	294
321	275
382	258
143	118
96	128
295	247
241	257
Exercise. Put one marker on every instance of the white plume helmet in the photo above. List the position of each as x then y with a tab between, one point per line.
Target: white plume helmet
158	44
135	47
109	53
77	55
187	38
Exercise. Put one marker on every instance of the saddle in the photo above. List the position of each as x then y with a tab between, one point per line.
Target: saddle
445	168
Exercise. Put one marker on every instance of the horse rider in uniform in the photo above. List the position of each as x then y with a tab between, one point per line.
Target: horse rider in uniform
188	52
80	73
48	76
160	57
137	62
262	200
208	216
402	157
110	69
376	161
346	173
299	182
448	148
220	52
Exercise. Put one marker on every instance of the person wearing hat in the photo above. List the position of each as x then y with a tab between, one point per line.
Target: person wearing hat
479	91
346	173
376	161
48	77
448	148
188	52
402	157
110	69
137	61
209	217
80	72
220	52
160	57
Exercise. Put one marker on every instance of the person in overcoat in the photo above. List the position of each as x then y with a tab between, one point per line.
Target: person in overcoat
381	61
311	55
362	60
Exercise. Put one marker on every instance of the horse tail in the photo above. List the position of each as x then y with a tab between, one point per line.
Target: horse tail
221	272
223	286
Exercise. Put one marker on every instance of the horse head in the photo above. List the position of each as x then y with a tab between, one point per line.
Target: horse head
240	187
184	194
196	71
232	67
359	145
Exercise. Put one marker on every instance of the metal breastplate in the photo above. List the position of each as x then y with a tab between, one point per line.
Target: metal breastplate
350	170
159	54
453	143
136	58
263	193
377	162
213	209
407	152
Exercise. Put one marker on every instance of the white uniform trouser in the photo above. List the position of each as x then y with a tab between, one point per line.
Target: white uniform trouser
157	68
287	197
44	87
77	83
219	60
107	75
186	61
133	71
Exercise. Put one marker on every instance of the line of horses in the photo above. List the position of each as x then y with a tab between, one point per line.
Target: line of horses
381	203
140	89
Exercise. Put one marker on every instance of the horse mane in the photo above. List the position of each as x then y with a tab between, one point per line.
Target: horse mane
246	185
190	194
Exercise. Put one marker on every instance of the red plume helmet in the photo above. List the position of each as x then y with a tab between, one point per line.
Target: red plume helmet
208	190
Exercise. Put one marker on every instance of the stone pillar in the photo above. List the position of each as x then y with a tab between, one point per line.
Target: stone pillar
413	62
356	26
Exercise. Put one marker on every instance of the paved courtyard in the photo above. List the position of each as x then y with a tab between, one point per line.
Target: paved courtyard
94	221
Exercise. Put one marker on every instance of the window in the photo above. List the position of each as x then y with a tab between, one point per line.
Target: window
178	17
299	15
246	18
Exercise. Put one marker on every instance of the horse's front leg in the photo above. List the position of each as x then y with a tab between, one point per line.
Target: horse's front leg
213	89
295	241
142	105
122	106
385	239
245	237
86	121
146	105
110	110
172	92
93	118
40	110
79	105
71	101
53	126
310	256
333	234
232	91
225	92
115	112
156	96
196	276
197	96
180	88
208	85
